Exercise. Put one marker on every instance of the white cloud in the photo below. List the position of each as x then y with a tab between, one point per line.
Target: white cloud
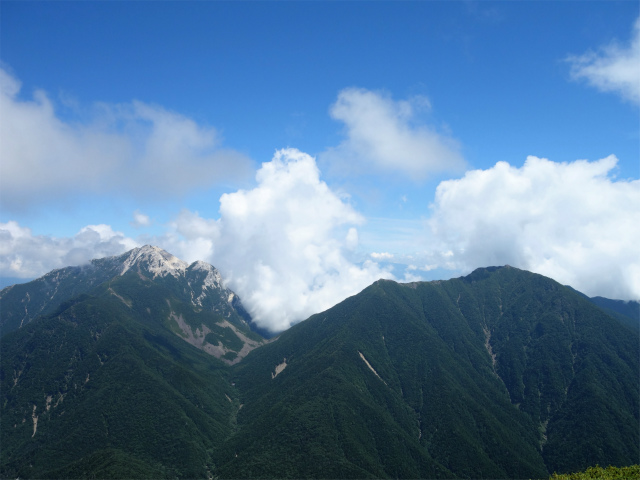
614	68
382	255
140	220
131	149
352	239
191	237
24	255
410	277
569	221
282	244
381	135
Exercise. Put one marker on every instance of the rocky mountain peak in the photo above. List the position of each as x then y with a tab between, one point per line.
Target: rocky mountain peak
212	278
158	261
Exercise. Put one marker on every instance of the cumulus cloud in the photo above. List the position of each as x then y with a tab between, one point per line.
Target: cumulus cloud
380	135
283	244
134	148
24	255
613	68
569	221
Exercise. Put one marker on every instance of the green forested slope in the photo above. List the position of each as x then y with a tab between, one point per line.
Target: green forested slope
113	391
23	302
500	374
560	393
571	367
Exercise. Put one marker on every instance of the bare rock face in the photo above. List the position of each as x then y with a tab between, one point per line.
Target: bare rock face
154	260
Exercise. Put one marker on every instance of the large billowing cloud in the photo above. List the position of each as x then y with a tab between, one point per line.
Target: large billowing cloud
131	149
24	255
282	246
380	135
614	68
569	221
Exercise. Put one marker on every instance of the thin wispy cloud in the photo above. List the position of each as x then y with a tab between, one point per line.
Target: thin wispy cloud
140	220
612	68
382	255
132	149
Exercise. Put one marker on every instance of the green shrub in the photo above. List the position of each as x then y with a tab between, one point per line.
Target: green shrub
597	472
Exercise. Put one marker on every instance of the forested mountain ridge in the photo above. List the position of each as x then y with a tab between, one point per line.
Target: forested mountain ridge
499	374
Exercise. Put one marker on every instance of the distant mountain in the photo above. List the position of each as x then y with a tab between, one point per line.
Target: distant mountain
627	312
190	299
499	374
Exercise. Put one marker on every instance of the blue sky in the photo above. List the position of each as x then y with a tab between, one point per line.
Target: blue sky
126	123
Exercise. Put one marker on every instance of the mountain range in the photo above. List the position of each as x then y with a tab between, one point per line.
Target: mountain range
142	366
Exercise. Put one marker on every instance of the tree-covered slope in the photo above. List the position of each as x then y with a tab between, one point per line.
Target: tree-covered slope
631	472
500	374
96	389
572	368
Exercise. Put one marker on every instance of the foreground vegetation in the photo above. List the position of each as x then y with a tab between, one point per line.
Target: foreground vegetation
599	473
